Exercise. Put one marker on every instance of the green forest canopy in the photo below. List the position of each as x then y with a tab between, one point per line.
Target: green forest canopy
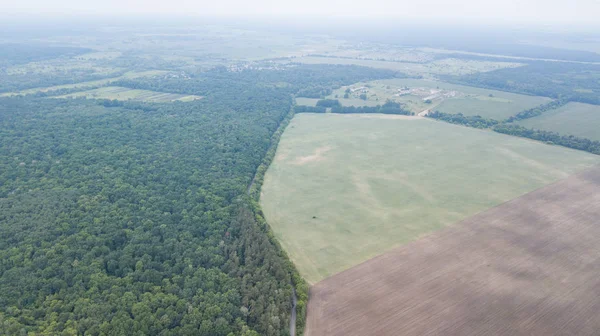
128	218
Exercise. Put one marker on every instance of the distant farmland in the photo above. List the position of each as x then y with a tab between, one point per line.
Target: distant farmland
449	66
345	188
576	119
96	83
121	93
528	267
452	98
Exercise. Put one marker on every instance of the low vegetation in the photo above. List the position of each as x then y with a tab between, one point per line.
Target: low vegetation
344	188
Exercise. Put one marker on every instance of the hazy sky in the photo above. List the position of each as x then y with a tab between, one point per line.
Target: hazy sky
535	11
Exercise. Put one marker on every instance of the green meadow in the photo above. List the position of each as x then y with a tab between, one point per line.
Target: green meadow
345	188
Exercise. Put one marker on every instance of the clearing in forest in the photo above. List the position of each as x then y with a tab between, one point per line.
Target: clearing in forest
345	188
581	120
527	267
96	83
122	93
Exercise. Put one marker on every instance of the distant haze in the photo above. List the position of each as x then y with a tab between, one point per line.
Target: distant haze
576	12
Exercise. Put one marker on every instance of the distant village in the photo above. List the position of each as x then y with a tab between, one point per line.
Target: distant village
426	94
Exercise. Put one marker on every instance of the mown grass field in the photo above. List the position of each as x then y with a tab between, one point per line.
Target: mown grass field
469	100
122	93
128	75
582	120
345	188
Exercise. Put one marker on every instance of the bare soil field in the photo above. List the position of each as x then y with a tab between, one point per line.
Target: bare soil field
530	266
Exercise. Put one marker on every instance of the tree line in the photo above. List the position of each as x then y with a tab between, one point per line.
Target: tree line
507	127
537	111
390	107
549	137
460	119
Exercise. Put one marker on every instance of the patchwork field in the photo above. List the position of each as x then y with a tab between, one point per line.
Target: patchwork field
121	93
445	97
128	75
345	188
449	66
577	119
528	267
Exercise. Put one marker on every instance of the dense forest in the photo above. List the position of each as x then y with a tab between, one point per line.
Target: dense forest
295	79
559	80
128	218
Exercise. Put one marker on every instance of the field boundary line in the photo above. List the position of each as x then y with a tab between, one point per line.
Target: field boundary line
582	172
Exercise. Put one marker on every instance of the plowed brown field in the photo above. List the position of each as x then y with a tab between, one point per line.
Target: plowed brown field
528	267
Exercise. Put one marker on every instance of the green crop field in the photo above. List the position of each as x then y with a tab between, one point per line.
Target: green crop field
576	119
467	100
121	93
345	188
